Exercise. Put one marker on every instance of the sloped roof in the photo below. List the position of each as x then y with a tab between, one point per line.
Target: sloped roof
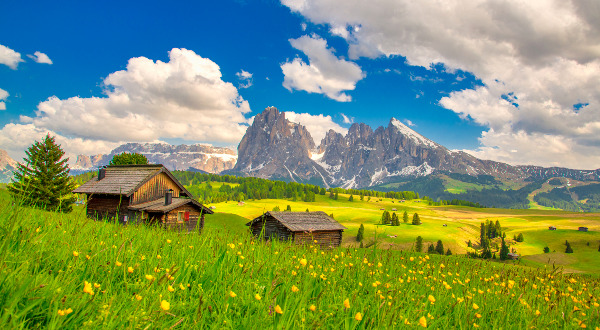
159	205
125	180
303	221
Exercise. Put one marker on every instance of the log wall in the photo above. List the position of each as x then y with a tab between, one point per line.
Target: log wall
154	189
108	207
272	229
196	221
325	239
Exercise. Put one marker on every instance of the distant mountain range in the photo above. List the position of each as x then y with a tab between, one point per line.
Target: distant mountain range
275	148
196	157
7	167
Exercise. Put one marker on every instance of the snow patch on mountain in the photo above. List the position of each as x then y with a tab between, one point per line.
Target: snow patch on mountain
414	136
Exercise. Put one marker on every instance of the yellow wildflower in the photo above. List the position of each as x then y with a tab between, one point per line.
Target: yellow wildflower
431	299
181	287
294	273
423	322
170	288
295	288
130	269
232	294
158	256
138	297
149	277
96	285
87	288
477	315
168	241
475	306
347	303
312	308
278	310
303	262
257	297
165	305
37	230
118	264
358	316
75	254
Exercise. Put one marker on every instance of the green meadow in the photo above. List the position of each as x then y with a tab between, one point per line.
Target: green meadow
461	226
64	271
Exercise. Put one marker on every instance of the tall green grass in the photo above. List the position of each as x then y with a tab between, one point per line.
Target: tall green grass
224	279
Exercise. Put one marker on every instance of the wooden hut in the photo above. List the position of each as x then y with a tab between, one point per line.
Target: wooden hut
142	193
300	227
552	228
583	228
512	256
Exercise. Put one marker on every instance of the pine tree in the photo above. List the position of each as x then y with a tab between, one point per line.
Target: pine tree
469	244
361	233
416	220
448	252
288	208
126	158
419	244
569	249
431	249
307	210
439	247
43	179
395	220
336	196
520	237
405	217
547	249
351	198
276	208
503	250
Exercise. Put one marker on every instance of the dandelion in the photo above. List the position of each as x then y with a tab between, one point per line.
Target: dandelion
295	288
232	294
278	310
118	264
257	297
165	305
412	259
347	303
358	316
431	299
423	322
312	308
130	269
87	288
303	262
75	254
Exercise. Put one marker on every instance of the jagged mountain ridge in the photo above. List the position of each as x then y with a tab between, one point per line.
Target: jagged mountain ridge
175	157
275	148
7	167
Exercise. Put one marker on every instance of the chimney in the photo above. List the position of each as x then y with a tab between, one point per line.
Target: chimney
169	197
101	173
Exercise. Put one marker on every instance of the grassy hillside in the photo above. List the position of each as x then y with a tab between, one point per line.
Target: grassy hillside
462	226
68	272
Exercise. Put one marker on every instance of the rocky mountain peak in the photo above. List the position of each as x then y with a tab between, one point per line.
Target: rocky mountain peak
6	161
410	134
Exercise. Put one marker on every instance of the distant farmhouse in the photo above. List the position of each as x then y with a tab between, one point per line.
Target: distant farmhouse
300	227
583	228
552	228
142	193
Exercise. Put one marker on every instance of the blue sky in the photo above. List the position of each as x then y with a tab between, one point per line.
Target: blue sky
496	79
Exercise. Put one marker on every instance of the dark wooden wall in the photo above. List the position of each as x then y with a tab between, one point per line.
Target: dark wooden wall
196	221
324	238
272	228
108	207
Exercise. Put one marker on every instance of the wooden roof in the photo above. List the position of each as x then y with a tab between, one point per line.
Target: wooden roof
125	180
303	221
159	205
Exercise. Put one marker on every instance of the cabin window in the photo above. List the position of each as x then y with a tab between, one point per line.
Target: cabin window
180	216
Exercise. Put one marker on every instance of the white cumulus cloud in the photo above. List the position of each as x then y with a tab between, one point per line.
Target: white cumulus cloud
347	120
9	57
40	57
536	59
150	100
324	73
3	96
317	125
245	79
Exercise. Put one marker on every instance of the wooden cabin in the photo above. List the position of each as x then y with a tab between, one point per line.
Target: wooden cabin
142	193
300	227
583	228
552	228
513	256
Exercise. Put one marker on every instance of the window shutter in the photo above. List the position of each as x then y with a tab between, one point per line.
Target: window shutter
187	216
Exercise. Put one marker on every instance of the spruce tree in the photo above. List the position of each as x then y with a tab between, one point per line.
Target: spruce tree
361	233
448	253
419	244
288	208
43	179
351	198
469	244
520	237
431	249
439	247
416	220
395	220
547	249
405	217
503	250
569	249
